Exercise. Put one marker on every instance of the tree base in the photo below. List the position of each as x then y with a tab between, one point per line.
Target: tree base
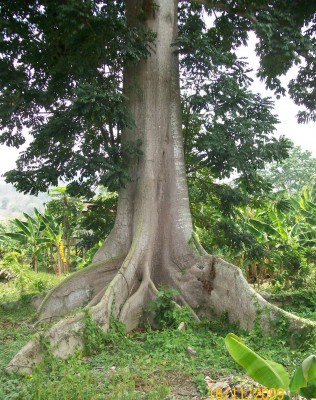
209	287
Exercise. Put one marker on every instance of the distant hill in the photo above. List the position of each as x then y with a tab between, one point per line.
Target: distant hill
13	203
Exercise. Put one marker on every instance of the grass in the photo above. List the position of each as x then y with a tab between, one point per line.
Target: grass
27	284
145	364
300	302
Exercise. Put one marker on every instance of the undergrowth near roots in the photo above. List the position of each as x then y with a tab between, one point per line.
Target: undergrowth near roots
26	284
302	302
145	364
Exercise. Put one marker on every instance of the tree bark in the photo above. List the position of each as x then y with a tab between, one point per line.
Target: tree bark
152	242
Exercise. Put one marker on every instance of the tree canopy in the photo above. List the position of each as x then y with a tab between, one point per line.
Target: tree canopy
295	172
61	76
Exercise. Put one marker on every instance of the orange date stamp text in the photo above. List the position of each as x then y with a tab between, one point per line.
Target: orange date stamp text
254	393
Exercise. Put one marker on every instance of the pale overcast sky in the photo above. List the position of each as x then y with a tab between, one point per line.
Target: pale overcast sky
303	135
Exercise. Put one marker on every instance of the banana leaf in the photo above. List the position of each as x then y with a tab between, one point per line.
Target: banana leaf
266	372
309	368
298	381
308	392
264	227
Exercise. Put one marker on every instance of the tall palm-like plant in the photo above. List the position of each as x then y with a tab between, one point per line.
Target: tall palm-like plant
66	212
54	234
305	210
29	233
286	226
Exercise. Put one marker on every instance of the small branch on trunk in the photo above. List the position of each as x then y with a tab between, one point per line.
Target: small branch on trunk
198	245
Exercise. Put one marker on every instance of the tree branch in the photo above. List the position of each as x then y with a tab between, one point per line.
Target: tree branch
226	8
112	135
104	133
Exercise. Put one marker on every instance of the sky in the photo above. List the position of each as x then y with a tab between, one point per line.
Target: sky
303	135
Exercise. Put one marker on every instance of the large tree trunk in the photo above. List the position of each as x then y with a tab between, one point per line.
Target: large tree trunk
152	242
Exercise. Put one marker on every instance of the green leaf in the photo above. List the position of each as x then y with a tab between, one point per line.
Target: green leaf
256	232
265	372
264	227
281	224
20	237
302	203
23	226
309	368
308	392
298	381
29	218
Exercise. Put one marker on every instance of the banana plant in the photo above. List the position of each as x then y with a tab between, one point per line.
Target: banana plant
306	209
65	210
273	375
53	231
287	228
29	233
